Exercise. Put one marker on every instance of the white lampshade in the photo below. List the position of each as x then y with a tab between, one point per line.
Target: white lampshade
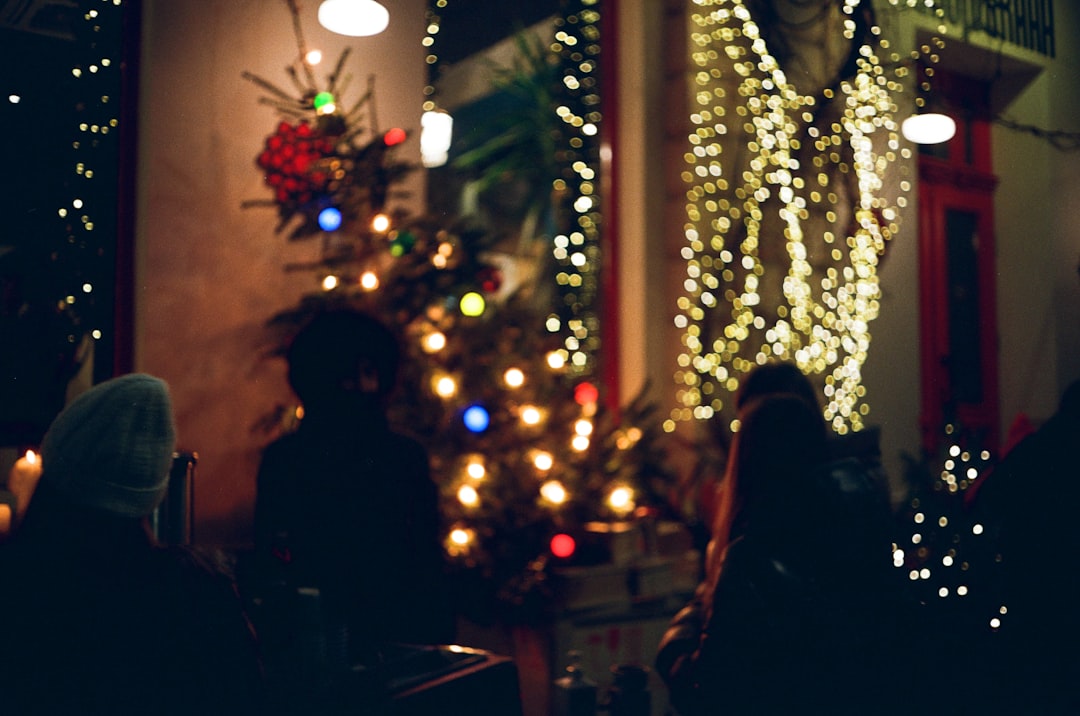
355	18
436	133
930	128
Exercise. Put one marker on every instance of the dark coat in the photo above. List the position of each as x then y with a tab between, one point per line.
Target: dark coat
804	615
1027	505
98	620
349	508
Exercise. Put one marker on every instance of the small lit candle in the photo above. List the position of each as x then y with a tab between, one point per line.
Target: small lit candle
23	479
5	520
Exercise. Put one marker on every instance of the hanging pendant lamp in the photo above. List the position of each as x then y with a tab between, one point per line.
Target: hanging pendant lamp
928	128
355	18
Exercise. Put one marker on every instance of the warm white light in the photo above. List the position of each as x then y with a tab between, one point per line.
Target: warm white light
461	537
580	443
380	223
530	415
553	492
556	360
14	98
436	133
330	283
468	496
369	281
355	18
621	500
514	377
434	342
583	427
543	461
930	128
476	470
313	57
445	386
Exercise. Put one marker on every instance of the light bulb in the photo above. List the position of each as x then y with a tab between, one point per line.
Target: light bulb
354	18
930	128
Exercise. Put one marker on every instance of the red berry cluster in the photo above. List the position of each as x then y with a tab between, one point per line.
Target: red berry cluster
291	161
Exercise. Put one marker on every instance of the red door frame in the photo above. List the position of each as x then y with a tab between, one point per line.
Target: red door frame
941	188
957	176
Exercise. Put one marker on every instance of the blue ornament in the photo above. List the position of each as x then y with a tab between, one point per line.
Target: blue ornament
329	219
476	418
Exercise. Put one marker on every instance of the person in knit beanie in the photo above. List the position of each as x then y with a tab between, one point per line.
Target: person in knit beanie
112	447
100	618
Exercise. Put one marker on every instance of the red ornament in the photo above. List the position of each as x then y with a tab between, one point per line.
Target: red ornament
290	160
586	394
394	136
563	545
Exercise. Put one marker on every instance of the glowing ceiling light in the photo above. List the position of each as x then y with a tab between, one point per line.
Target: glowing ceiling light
929	128
354	18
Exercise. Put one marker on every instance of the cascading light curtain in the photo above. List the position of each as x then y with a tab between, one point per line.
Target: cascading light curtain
796	178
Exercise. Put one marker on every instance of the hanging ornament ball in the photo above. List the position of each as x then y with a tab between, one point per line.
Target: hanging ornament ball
402	243
394	136
586	394
563	545
476	418
472	304
490	279
330	219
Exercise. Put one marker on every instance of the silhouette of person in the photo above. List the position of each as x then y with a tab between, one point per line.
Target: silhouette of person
98	618
1027	505
345	505
795	613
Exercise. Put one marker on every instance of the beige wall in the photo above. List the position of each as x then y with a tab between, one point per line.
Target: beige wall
1039	234
210	274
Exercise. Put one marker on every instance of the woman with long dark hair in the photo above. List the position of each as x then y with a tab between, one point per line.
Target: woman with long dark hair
796	612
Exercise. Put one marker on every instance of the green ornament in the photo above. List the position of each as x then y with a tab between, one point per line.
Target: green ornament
402	243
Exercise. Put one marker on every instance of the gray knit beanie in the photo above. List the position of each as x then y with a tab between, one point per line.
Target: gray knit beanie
111	448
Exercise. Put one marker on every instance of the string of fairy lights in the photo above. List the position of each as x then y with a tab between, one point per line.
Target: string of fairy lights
949	553
88	206
767	161
577	249
433	24
575	246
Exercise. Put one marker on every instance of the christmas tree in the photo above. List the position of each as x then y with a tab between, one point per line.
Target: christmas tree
522	441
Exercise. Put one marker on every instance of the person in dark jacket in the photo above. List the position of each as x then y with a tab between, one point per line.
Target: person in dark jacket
346	506
795	613
97	618
1027	505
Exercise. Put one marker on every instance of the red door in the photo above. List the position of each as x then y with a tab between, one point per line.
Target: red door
957	281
